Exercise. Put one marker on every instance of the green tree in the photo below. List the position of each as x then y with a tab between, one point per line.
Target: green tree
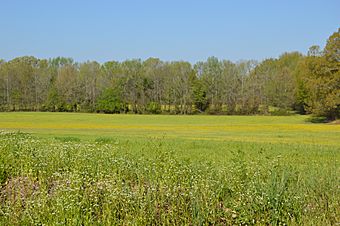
87	85
110	102
321	77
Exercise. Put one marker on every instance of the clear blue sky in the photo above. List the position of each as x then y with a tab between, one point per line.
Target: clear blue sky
171	30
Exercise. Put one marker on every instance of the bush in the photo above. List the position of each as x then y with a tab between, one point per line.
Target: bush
281	112
317	119
154	108
110	102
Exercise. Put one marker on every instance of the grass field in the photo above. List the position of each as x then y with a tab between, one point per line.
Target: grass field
85	169
288	129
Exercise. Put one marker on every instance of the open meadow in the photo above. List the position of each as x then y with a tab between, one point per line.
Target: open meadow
101	169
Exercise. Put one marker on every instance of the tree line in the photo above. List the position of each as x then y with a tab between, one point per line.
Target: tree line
293	82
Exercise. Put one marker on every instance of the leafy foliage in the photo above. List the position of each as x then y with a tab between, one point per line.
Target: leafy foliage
320	77
110	102
306	84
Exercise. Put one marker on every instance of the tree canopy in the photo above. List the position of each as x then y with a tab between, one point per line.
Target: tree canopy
292	82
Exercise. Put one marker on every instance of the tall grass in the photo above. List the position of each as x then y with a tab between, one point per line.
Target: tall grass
58	182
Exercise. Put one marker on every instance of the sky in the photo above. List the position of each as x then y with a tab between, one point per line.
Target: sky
190	30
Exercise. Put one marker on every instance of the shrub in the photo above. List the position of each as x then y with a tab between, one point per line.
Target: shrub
154	108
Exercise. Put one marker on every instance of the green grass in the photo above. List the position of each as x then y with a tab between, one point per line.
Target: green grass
288	129
85	169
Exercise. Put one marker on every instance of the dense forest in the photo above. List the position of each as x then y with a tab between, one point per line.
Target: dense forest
292	83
